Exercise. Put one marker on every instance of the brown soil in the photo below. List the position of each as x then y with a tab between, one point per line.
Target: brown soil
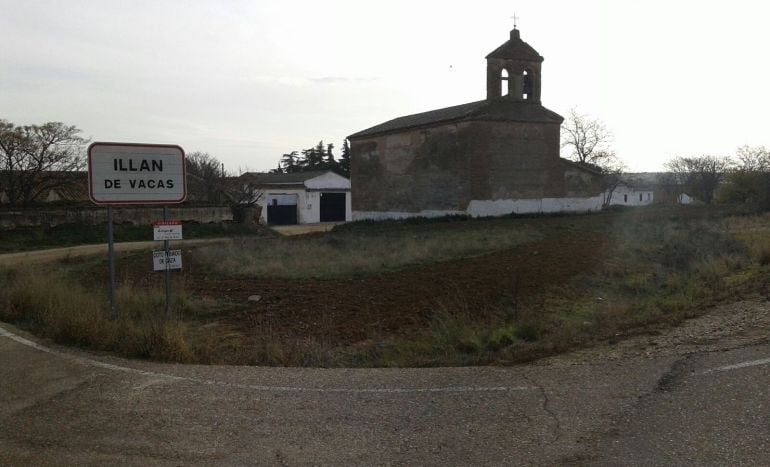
352	310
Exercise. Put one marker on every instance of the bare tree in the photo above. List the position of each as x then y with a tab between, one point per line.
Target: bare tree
209	172
749	181
32	158
753	159
587	139
244	195
612	176
699	175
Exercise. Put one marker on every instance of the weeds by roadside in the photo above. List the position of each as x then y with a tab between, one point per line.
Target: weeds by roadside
68	313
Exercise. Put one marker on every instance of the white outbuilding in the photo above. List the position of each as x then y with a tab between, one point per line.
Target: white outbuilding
630	193
300	197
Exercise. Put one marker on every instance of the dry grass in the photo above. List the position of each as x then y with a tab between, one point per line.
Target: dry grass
68	313
345	254
754	232
657	273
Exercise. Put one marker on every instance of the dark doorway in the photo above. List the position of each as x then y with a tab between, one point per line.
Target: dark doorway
281	214
333	207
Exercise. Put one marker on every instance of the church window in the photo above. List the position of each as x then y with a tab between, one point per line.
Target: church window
504	83
526	85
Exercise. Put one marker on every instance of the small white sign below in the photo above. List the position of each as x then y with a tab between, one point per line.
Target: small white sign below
161	262
167	230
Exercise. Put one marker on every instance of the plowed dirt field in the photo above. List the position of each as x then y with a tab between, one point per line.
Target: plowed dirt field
350	310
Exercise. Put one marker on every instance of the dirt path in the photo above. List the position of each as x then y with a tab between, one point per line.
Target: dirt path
42	256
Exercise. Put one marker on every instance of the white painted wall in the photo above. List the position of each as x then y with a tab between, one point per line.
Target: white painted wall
394	215
498	207
329	181
625	195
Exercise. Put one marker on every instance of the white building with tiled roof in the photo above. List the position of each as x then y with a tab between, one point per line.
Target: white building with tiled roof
300	197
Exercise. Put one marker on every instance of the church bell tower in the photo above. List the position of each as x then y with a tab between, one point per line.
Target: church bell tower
513	71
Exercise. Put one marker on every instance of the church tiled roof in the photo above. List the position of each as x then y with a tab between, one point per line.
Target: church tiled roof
495	110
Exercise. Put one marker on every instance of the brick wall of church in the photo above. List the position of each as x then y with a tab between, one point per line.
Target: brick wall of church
445	167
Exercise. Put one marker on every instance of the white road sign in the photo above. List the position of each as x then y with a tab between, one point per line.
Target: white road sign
161	262
129	173
167	230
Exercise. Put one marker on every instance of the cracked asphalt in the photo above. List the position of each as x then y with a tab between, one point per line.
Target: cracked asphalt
692	395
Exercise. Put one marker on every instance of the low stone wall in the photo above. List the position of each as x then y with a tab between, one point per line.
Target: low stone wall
121	215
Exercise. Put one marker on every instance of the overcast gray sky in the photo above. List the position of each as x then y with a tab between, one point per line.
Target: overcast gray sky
247	81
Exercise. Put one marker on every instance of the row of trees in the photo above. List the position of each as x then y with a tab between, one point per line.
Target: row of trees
744	178
318	157
33	159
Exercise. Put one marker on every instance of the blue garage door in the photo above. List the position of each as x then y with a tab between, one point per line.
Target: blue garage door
282	209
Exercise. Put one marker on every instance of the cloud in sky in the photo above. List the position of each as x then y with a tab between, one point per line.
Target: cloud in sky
247	81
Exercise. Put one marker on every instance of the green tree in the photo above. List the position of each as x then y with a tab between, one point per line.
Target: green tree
290	162
329	162
313	158
318	157
344	162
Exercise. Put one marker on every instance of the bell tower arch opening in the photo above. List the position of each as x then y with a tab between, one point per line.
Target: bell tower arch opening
513	71
504	82
526	85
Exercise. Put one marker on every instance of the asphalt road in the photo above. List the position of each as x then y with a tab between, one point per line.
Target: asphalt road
695	395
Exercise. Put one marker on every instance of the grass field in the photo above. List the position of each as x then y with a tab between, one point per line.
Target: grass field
409	293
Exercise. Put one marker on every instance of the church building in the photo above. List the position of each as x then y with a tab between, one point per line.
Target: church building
492	157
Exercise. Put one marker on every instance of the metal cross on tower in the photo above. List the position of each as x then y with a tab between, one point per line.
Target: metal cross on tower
515	19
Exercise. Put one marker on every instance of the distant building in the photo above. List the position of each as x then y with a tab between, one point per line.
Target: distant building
643	188
630	192
491	157
299	198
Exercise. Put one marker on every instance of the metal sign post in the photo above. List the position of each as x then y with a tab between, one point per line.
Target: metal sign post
168	270
111	261
130	173
167	260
